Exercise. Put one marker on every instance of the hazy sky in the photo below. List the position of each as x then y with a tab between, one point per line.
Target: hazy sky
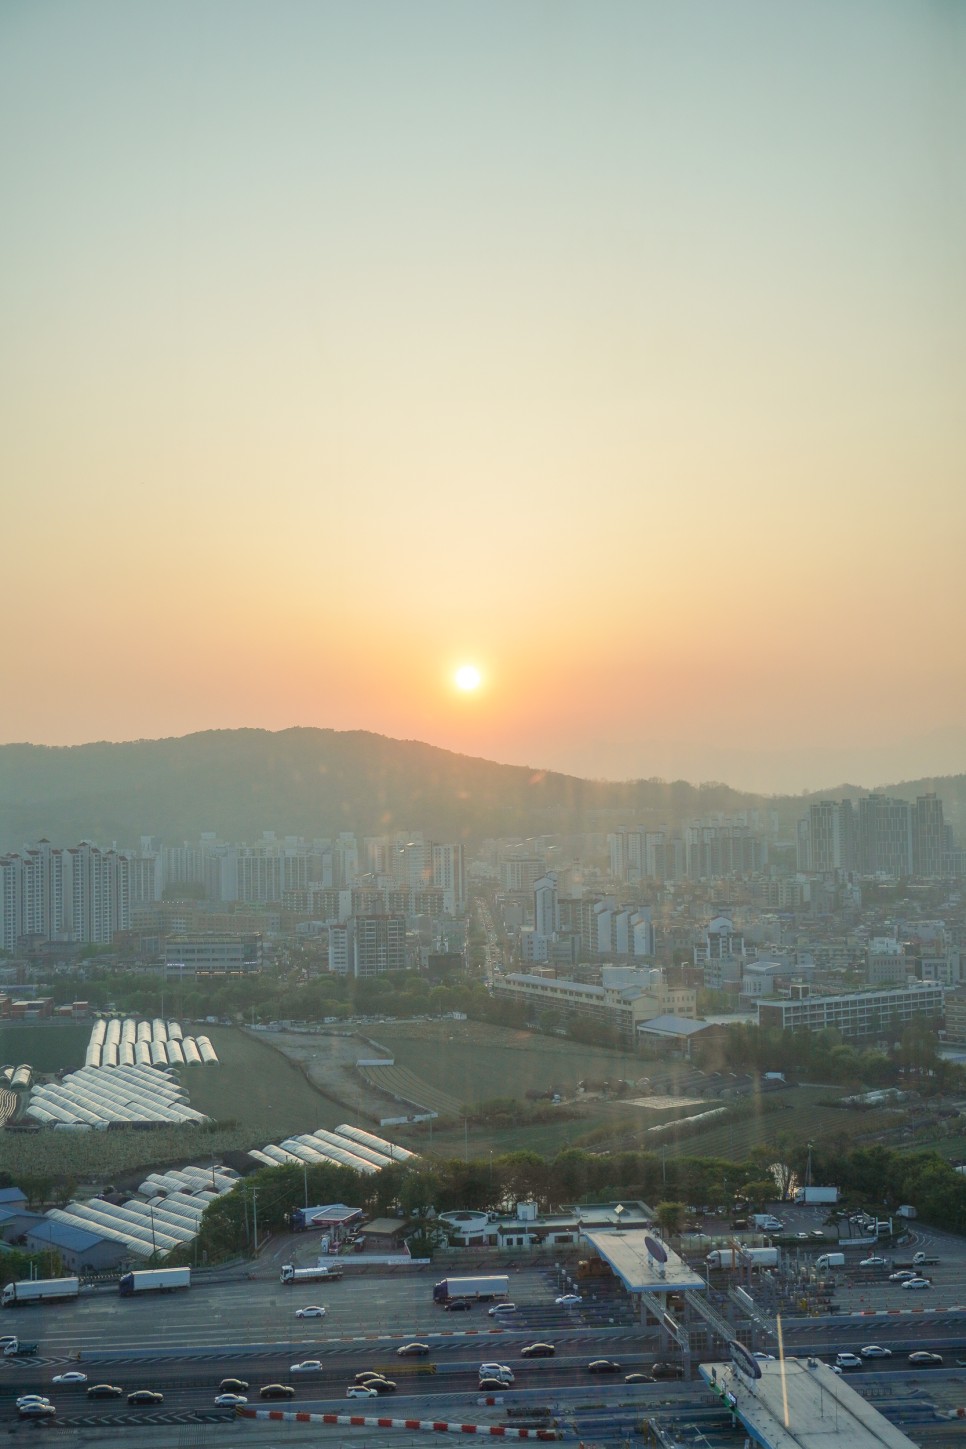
618	349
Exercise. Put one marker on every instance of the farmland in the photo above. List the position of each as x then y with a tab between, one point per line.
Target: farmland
46	1047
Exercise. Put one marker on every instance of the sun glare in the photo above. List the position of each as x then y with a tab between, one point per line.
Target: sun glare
467	678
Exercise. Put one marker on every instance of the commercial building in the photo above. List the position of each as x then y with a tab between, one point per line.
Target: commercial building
861	1013
212	953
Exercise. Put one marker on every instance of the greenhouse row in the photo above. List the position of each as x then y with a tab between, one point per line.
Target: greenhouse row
166	1217
157	1043
347	1146
94	1098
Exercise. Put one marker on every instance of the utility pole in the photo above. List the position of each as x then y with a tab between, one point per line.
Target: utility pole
255	1219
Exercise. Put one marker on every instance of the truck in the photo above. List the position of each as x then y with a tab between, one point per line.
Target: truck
906	1211
817	1195
320	1273
154	1280
39	1290
742	1258
919	1260
492	1285
825	1261
17	1348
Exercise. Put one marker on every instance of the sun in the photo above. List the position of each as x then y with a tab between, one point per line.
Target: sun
467	678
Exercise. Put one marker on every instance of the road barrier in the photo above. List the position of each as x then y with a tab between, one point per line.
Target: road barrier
365	1421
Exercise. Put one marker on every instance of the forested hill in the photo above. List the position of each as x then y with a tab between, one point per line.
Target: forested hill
315	782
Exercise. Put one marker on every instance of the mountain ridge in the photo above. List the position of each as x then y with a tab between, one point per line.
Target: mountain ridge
314	782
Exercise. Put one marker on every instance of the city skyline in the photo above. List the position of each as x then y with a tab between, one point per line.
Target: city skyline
613	352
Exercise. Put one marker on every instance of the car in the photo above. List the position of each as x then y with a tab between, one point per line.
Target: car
499	1309
922	1358
760	1354
496	1371
105	1391
848	1361
817	1233
916	1283
307	1366
360	1391
538	1350
667	1370
32	1399
903	1276
801	1235
413	1350
381	1385
835	1369
72	1376
492	1386
639	1378
277	1391
313	1310
364	1375
874	1262
568	1300
603	1366
145	1396
233	1386
875	1350
458	1305
230	1401
37	1409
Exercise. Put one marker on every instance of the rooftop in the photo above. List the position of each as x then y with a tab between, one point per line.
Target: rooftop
639	1268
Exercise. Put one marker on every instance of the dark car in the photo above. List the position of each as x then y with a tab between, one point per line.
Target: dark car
639	1378
538	1350
667	1371
277	1391
104	1391
603	1366
493	1386
233	1386
145	1396
413	1350
923	1359
458	1305
381	1385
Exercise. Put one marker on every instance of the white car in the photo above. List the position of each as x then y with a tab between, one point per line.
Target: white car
230	1401
499	1309
848	1360
903	1276
73	1376
307	1366
32	1399
37	1409
568	1300
916	1283
359	1391
873	1262
313	1310
875	1350
496	1371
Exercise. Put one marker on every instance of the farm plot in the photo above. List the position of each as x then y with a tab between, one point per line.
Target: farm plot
403	1085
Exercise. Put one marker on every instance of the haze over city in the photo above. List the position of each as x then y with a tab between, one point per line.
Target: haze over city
613	352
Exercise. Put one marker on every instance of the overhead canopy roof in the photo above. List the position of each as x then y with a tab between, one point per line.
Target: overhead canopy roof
637	1267
801	1404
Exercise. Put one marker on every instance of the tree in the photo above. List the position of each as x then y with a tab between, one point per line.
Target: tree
669	1217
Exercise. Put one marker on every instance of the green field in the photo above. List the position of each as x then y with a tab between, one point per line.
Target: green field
46	1047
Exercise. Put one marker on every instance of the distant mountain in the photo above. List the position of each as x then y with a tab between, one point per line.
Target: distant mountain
313	782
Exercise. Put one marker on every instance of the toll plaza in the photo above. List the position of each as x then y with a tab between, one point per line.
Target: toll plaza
798	1403
661	1282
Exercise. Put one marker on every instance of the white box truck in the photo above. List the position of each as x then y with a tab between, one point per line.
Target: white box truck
906	1211
824	1261
39	1290
492	1285
154	1280
817	1195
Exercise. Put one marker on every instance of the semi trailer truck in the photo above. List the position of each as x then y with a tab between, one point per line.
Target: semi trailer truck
492	1285
742	1258
39	1290
154	1280
320	1273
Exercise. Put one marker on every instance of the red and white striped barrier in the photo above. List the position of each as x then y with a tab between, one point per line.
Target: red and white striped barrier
366	1421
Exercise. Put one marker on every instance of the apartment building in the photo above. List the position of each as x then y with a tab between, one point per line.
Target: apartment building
859	1014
